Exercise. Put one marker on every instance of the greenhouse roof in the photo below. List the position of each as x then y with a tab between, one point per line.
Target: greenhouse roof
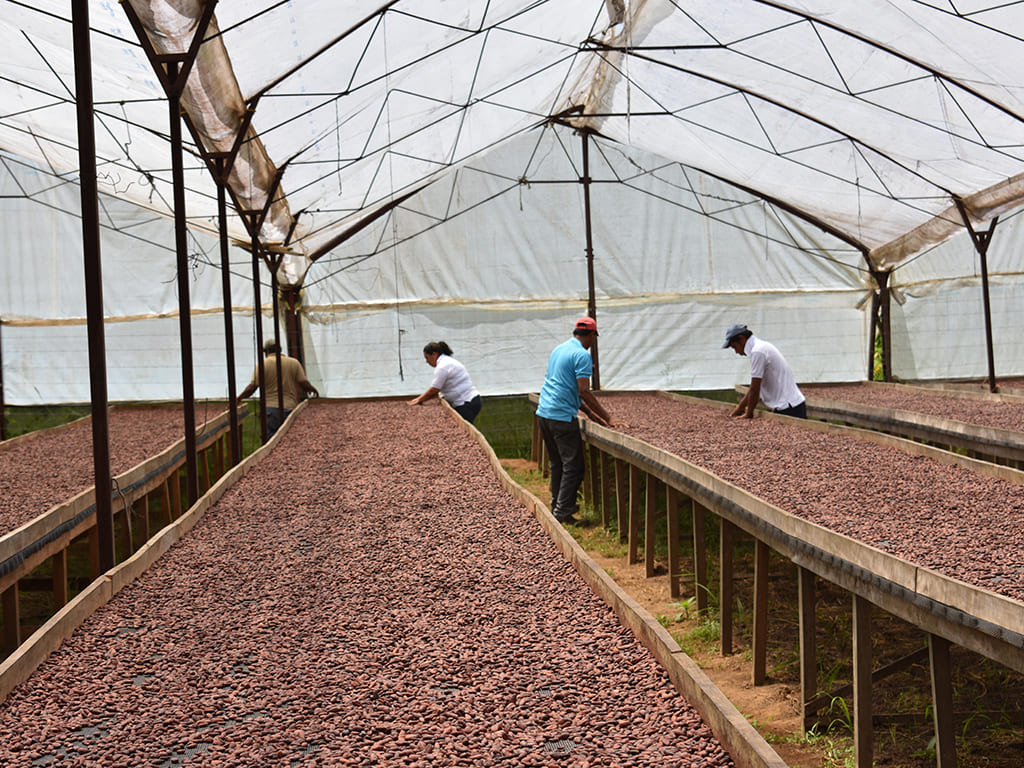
883	122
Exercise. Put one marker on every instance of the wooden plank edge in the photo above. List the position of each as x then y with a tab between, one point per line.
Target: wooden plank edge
36	649
20	665
746	746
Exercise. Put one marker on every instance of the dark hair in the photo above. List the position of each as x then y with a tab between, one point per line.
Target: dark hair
437	348
582	331
272	348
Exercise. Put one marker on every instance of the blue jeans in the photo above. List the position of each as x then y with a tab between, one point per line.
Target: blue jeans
565	450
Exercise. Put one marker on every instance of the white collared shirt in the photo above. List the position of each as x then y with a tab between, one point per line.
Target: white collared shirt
778	388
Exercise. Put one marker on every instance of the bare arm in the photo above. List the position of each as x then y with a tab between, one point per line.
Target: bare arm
247	391
429	394
307	387
592	406
749	402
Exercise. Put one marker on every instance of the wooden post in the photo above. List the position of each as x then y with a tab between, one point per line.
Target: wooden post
807	599
621	497
595	477
760	630
12	619
942	698
606	489
862	661
725	584
94	553
60	579
634	514
700	558
174	482
545	462
672	524
650	524
165	502
535	443
145	517
204	473
221	454
588	495
125	534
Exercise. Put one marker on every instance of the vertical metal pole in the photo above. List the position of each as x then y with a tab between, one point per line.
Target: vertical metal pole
275	288
3	403
184	302
983	253
981	241
885	298
591	300
258	317
93	283
229	328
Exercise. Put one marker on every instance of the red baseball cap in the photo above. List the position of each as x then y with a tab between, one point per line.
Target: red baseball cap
587	324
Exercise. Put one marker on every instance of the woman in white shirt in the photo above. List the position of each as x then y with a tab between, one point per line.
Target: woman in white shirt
451	381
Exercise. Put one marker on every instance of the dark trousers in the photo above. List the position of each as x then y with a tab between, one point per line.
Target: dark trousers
797	411
565	449
275	418
470	409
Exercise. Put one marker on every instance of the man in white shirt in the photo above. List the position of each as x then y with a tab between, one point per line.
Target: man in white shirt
771	379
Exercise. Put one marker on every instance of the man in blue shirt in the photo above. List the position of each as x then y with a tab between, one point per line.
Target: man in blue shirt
565	391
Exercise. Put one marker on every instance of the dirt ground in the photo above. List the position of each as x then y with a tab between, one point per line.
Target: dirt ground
988	697
773	708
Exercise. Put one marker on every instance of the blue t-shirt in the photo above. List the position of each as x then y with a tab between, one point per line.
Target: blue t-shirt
560	395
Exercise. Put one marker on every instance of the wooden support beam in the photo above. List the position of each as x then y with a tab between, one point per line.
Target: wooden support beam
760	629
621	497
650	523
94	553
535	443
633	535
725	583
545	462
174	481
862	661
165	503
588	477
204	473
59	564
807	601
606	489
700	557
12	619
824	699
942	700
672	524
594	476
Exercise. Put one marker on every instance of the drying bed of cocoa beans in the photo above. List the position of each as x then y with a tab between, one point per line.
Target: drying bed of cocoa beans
985	413
366	595
53	466
943	517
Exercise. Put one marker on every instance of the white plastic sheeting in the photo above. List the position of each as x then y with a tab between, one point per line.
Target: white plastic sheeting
863	123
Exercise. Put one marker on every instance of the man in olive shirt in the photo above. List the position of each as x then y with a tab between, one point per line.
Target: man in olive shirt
294	385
